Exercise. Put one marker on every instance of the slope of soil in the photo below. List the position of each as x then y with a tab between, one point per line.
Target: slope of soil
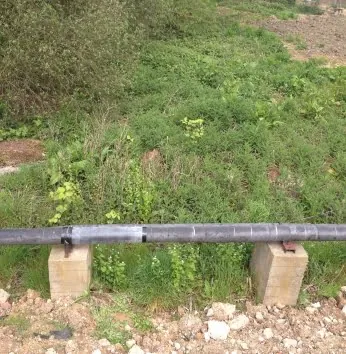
323	36
16	152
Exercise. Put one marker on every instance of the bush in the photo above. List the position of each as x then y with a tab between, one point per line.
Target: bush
51	50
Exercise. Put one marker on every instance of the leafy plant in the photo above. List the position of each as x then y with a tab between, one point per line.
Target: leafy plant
194	128
184	266
156	268
112	216
110	268
20	132
139	195
68	164
67	196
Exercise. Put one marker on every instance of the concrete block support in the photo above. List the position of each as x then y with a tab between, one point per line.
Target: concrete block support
277	275
69	276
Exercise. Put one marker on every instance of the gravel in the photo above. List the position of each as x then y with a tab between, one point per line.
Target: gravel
256	330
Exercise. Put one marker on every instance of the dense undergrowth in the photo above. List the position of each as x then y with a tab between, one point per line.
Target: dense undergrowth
210	122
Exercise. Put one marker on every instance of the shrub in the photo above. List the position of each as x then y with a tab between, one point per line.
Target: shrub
51	50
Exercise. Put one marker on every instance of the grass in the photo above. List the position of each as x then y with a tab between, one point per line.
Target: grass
299	43
20	324
24	267
260	9
112	320
220	110
326	272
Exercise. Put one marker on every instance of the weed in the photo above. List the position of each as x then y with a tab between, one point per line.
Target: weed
109	328
112	319
299	43
21	324
184	262
67	165
110	268
112	216
139	195
67	195
25	267
326	270
193	128
21	132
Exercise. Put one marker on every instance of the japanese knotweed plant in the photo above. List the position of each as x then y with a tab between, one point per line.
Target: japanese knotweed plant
66	195
194	128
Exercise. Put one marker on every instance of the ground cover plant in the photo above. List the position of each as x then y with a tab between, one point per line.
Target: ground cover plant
213	122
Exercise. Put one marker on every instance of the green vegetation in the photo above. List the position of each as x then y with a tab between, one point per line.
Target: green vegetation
259	9
112	319
238	132
19	323
299	43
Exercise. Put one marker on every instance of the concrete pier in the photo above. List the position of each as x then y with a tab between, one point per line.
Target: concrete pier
278	275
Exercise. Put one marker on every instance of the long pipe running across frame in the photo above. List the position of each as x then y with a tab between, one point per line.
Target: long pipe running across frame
98	234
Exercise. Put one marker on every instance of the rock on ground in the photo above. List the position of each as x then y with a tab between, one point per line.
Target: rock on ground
130	343
96	351
51	351
278	331
268	333
104	342
221	312
136	350
290	343
259	317
239	322
4	296
190	325
218	330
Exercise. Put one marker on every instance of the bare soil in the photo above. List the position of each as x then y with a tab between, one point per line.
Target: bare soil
16	152
316	328
324	36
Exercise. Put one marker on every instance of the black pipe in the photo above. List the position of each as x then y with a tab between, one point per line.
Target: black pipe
97	234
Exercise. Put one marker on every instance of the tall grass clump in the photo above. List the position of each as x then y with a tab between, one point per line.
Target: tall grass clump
52	50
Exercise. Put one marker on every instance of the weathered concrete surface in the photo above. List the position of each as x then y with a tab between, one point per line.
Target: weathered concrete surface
69	276
277	274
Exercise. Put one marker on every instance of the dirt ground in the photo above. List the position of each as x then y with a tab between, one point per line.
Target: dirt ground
26	325
16	152
322	36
